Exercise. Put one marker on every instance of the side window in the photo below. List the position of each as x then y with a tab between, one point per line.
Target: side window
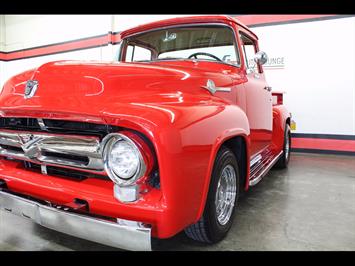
129	53
136	53
249	49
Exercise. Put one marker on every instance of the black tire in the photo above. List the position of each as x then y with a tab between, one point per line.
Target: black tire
285	157
208	229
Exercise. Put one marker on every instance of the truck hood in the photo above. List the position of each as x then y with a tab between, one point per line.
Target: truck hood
96	88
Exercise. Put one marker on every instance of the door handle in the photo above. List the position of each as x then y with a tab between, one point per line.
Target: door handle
267	88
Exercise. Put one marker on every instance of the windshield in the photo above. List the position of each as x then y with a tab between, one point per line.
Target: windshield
213	43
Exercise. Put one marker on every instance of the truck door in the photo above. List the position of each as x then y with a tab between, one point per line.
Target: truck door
258	97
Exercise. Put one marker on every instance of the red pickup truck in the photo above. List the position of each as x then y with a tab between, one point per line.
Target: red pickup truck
161	140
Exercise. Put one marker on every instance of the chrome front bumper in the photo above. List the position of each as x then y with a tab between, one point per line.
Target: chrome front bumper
93	229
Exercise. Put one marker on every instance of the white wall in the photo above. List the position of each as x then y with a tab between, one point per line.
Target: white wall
317	75
319	72
2	32
24	31
2	48
17	66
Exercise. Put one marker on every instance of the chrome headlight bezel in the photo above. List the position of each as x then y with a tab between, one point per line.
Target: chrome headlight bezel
106	148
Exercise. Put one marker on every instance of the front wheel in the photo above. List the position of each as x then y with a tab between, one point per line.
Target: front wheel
285	157
221	201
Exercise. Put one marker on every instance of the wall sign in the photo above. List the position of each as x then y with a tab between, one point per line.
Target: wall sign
272	63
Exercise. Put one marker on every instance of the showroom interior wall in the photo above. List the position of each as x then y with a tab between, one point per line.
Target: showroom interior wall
312	60
23	32
317	74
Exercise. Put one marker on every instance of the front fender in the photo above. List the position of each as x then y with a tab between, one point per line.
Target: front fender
186	138
186	148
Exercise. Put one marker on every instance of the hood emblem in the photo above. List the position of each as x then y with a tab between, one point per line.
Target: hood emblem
31	88
211	87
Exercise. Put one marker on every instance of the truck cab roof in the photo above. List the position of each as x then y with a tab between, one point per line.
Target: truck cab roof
185	20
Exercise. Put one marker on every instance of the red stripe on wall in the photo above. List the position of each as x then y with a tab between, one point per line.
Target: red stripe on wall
324	144
3	56
263	19
114	38
58	48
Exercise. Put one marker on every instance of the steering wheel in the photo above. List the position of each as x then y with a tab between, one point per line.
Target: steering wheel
206	54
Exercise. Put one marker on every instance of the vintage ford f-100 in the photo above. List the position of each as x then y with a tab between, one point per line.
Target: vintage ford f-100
161	140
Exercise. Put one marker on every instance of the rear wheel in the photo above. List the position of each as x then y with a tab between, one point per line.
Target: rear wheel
285	157
221	201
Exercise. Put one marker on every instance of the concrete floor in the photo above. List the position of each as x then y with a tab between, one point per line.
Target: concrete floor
309	206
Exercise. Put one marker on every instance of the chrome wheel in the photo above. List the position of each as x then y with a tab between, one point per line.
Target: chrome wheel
287	146
225	194
221	202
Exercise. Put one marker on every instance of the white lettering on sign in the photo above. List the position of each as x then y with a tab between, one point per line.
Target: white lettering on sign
272	63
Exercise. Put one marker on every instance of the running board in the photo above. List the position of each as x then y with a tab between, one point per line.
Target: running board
264	169
255	160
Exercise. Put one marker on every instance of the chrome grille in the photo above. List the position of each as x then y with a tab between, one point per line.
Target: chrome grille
75	175
68	151
55	126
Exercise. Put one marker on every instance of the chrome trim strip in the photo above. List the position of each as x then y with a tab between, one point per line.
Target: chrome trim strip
223	89
257	179
81	226
255	160
34	147
211	87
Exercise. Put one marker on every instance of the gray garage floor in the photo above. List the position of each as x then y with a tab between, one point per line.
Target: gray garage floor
310	206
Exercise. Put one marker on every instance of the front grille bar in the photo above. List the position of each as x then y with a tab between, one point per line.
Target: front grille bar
68	151
55	126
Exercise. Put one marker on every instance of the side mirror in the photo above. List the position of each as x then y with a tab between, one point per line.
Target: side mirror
261	57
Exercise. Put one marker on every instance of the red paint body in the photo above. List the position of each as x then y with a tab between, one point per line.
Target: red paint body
165	102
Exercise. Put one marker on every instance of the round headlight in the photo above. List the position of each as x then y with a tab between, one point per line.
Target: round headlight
123	159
